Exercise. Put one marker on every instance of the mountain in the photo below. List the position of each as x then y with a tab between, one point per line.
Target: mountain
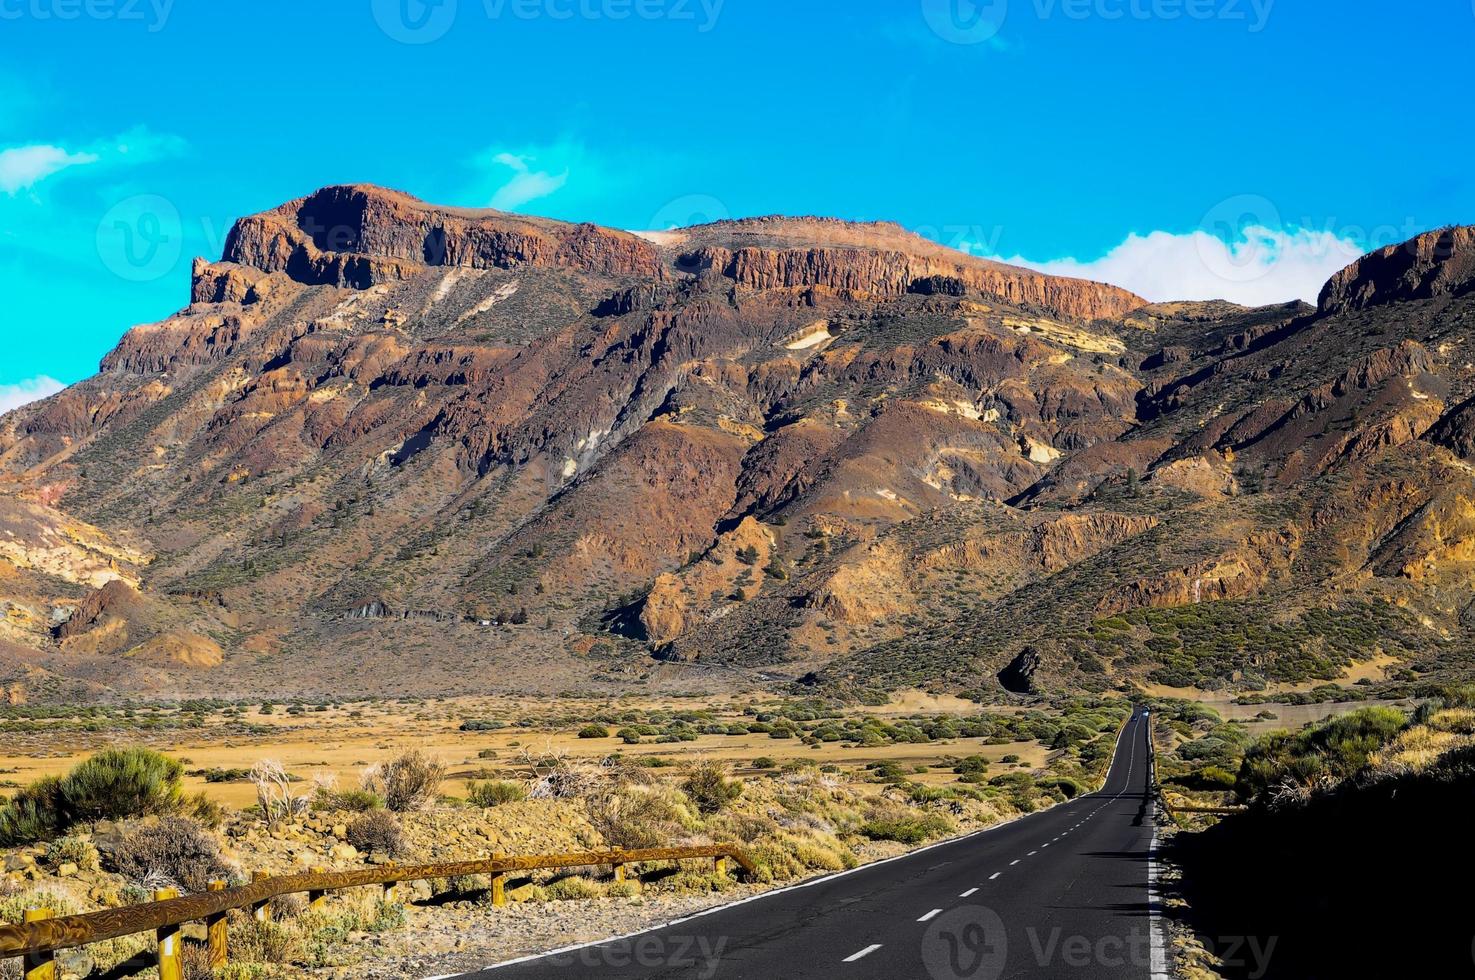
396	448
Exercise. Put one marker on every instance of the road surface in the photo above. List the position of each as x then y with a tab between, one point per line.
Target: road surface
1059	893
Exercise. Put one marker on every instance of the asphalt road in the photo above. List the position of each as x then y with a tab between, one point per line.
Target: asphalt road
1060	893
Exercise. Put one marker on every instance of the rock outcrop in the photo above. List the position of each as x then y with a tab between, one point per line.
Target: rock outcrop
1436	263
360	235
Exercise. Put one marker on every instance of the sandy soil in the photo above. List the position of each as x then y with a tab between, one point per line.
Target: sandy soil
342	741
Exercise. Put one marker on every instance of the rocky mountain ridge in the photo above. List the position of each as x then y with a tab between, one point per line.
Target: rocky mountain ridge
394	446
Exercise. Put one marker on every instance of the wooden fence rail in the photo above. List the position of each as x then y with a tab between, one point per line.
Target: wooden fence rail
41	935
1174	808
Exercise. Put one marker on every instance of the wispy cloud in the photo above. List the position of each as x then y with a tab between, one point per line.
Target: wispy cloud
525	184
24	392
1258	267
23	167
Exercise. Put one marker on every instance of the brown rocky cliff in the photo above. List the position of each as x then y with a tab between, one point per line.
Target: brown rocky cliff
886	273
360	235
1436	263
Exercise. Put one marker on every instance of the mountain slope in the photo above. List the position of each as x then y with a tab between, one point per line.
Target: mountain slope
395	447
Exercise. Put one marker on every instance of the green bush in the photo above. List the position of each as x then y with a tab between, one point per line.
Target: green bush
594	731
116	784
352	800
709	788
573	888
1329	752
31	815
495	792
908	829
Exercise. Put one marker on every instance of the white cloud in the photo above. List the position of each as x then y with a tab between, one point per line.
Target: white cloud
1261	266
25	392
526	184
22	167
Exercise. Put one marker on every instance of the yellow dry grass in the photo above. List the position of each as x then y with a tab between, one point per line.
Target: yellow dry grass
342	741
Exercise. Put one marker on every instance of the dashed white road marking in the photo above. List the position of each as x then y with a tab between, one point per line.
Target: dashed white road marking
994	875
968	892
1013	862
930	915
865	952
1031	854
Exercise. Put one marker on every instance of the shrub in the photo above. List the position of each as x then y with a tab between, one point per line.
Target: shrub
352	800
274	794
709	788
106	955
907	829
622	889
377	832
176	850
594	731
73	850
764	762
409	781
31	815
495	792
254	941
635	816
1317	756
117	784
573	888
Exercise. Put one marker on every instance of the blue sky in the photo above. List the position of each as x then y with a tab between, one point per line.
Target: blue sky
1184	148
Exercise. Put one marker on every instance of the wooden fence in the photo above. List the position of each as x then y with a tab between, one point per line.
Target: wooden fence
39	936
1174	809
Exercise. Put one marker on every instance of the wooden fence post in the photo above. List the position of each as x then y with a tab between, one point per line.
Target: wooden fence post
217	931
260	911
719	865
317	898
391	888
499	883
39	966
618	866
170	965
